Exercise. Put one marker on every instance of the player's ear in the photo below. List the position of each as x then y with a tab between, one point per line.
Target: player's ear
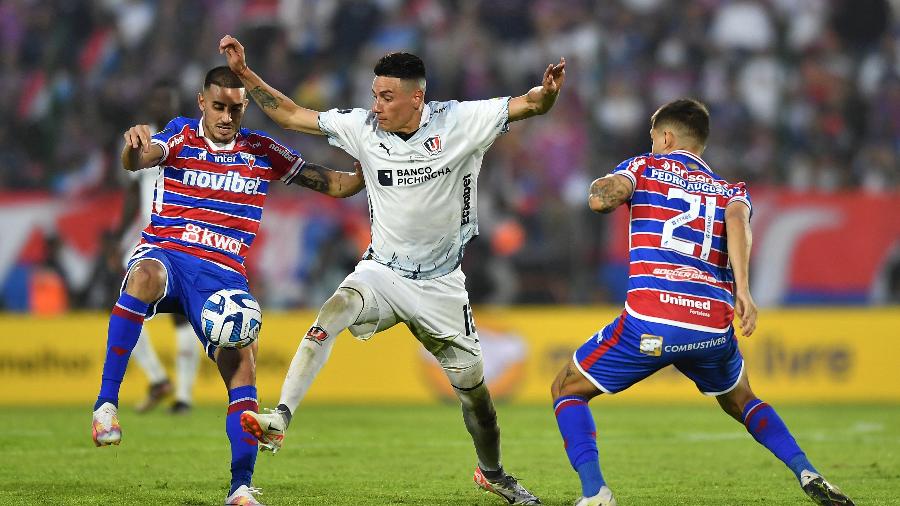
671	139
200	102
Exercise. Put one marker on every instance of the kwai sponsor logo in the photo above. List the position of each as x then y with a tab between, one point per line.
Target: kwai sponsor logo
206	237
684	274
230	181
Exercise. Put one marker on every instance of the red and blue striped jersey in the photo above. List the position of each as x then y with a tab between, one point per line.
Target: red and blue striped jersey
209	198
679	271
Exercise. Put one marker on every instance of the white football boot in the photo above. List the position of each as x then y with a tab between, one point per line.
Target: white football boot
603	498
267	428
244	496
506	487
821	492
105	427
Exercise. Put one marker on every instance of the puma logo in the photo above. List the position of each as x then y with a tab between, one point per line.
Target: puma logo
385	148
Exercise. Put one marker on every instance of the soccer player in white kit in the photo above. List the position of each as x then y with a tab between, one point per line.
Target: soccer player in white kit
162	105
420	164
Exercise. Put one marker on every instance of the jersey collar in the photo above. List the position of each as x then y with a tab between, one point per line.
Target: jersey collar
426	115
213	145
692	156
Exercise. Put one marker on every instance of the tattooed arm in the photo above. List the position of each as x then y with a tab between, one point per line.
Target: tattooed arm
275	104
609	192
329	181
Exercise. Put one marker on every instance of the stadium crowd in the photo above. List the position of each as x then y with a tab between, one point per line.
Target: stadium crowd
803	94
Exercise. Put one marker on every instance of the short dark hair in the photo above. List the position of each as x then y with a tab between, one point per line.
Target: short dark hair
400	65
687	113
222	76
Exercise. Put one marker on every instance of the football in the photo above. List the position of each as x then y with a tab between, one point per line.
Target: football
231	319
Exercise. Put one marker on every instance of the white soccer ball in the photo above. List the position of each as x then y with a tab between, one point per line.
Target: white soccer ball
231	319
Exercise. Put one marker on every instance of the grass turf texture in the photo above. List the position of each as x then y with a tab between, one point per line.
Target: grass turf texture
341	455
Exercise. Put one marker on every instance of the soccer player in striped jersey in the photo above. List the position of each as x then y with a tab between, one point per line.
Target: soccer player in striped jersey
689	252
207	207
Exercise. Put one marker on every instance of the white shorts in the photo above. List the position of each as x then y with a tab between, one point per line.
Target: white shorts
437	311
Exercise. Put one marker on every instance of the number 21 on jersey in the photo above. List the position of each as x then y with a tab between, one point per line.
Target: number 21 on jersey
680	220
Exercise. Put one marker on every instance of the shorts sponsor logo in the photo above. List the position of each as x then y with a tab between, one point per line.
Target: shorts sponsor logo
684	274
651	345
206	237
231	181
701	345
317	335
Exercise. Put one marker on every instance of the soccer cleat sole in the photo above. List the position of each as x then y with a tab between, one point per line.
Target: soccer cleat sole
98	442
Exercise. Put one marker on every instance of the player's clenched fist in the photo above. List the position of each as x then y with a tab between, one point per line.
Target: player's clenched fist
234	54
137	137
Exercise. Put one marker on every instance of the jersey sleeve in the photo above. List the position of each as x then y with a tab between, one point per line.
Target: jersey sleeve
632	168
170	139
484	120
286	162
344	128
737	192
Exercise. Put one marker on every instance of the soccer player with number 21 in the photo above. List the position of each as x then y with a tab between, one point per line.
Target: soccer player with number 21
690	253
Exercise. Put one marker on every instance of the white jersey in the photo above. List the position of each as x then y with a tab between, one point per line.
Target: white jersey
422	192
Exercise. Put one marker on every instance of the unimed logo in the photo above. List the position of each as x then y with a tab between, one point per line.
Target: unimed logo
678	300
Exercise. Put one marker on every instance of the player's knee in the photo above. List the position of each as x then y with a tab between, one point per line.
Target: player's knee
733	402
146	281
344	302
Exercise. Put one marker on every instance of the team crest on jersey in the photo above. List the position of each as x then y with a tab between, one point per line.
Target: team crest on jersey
433	144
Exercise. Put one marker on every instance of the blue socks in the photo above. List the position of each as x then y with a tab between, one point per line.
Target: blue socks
767	428
243	445
125	324
580	438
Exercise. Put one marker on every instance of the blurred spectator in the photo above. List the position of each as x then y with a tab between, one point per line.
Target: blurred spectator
803	94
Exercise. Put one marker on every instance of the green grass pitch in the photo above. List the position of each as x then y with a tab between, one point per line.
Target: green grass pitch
374	455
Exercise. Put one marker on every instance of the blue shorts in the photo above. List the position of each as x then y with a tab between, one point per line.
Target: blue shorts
189	282
630	349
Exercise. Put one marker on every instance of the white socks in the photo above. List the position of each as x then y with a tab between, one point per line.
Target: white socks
339	312
187	361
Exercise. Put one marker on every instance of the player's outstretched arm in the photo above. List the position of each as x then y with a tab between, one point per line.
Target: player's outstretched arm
274	103
138	152
329	181
609	192
740	239
541	98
